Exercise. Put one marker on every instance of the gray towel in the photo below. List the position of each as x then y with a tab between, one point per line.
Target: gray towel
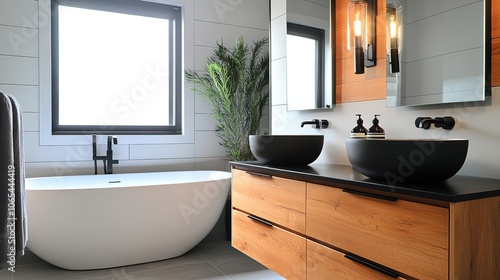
21	222
13	226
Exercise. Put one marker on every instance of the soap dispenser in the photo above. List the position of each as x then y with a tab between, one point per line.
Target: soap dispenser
359	131
375	131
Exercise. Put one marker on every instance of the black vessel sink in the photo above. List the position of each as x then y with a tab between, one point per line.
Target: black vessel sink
407	160
286	150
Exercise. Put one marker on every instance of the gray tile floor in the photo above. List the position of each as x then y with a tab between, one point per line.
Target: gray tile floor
214	261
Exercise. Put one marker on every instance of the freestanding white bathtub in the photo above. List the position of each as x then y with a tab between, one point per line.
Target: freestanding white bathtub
102	221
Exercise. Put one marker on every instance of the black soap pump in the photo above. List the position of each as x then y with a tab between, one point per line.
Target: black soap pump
359	131
375	131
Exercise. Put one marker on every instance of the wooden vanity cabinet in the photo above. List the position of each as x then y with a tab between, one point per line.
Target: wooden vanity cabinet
311	231
278	249
326	263
268	214
406	236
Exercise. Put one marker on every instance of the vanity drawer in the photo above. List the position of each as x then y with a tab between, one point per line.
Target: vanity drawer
281	201
275	248
402	235
326	263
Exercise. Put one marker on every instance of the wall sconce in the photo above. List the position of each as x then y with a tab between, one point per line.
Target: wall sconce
361	29
394	31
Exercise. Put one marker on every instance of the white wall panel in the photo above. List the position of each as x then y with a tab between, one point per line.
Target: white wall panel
205	122
452	4
19	12
279	86
420	11
30	122
169	151
429	70
278	8
232	12
27	96
201	53
18	70
212	164
202	106
207	145
208	34
18	41
427	38
278	25
466	32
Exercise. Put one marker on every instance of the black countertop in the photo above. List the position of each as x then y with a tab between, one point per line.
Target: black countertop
456	189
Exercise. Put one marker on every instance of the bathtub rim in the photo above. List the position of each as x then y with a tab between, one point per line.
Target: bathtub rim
54	183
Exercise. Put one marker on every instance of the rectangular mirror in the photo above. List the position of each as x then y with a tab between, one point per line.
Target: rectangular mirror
309	56
440	48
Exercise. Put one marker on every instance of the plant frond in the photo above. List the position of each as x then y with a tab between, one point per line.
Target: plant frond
236	85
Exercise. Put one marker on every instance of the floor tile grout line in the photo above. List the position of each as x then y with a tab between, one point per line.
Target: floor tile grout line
207	255
113	274
167	266
201	255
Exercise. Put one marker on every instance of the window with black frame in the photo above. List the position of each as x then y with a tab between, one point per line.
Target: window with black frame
116	67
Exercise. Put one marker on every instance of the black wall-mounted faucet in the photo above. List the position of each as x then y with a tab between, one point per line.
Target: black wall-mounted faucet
445	122
317	123
107	160
109	154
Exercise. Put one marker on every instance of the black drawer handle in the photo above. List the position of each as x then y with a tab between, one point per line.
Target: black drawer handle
370	195
260	220
259	174
372	265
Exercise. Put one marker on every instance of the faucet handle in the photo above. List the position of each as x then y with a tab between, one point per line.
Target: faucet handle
324	124
445	122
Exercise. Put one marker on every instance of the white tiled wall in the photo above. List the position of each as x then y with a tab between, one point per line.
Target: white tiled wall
214	21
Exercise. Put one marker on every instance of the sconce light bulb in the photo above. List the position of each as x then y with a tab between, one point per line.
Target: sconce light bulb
393	24
393	28
357	26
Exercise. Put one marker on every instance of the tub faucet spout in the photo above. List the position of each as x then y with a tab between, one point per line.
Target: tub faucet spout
109	154
107	160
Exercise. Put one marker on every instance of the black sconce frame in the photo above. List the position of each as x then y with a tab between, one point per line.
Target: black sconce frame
371	17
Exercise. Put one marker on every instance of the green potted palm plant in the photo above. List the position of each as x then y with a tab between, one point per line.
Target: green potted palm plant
236	83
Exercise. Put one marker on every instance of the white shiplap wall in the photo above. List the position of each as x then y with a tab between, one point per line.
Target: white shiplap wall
20	75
